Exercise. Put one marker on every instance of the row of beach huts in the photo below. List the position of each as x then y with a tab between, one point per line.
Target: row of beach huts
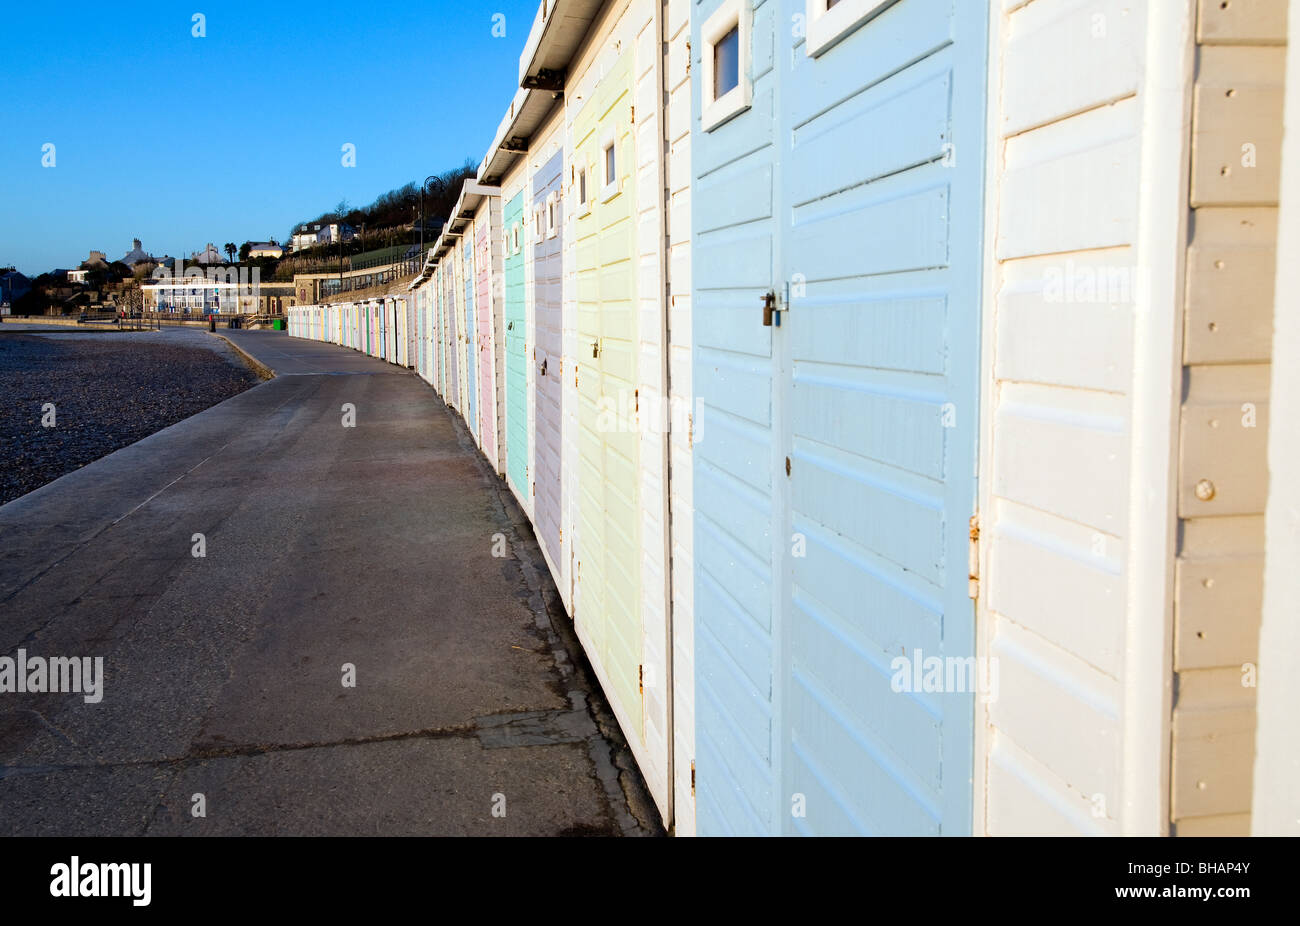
888	385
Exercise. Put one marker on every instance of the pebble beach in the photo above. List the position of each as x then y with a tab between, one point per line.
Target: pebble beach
108	389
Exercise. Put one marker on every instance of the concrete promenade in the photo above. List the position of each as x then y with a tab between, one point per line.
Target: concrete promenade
332	554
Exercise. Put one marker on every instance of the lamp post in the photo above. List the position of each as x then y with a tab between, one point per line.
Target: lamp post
339	226
431	184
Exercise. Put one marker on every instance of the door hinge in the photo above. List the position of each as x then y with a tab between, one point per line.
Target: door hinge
640	679
974	589
692	778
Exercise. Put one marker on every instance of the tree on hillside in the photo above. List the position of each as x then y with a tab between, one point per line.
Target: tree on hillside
243	251
230	250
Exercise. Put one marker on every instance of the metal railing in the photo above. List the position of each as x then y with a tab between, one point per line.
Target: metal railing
392	271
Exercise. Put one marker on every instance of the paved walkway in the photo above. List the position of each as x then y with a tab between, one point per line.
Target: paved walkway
325	545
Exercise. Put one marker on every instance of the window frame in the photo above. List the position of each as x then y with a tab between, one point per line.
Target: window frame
609	188
715	111
552	204
826	25
582	190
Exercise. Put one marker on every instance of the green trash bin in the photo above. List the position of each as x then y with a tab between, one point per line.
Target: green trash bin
277	324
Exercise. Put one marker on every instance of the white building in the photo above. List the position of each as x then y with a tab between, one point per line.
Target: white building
194	296
266	249
308	236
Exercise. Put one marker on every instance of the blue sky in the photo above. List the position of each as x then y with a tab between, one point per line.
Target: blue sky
179	141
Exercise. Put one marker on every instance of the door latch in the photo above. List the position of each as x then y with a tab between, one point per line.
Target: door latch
769	309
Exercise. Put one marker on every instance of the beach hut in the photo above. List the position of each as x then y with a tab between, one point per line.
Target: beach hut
476	218
465	257
410	332
488	259
1124	469
397	340
506	167
596	209
836	293
450	330
546	163
1057	633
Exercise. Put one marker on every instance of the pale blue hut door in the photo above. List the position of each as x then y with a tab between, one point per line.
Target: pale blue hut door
846	430
738	522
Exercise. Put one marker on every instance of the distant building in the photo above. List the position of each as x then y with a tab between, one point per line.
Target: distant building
13	286
96	261
335	232
265	249
327	233
193	296
202	297
136	255
209	256
304	238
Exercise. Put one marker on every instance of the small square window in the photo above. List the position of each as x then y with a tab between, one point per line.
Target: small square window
581	192
552	215
726	89
726	63
608	166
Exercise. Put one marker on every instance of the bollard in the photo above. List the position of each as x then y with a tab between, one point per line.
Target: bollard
212	323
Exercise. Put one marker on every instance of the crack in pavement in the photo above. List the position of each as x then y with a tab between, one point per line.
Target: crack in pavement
494	731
